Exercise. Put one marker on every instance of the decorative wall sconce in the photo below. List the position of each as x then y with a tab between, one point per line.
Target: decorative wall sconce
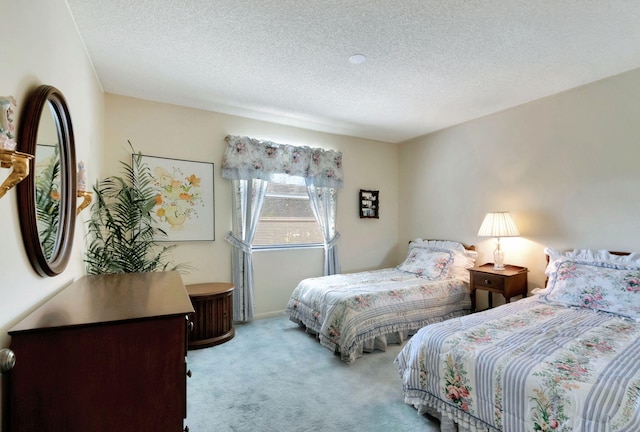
9	158
19	162
86	200
82	188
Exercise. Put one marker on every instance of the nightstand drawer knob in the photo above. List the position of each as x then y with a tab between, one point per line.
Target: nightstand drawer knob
487	282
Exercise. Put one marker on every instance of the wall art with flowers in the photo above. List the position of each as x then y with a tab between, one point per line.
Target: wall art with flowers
185	198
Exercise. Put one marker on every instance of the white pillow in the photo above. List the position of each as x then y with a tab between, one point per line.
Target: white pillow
600	285
463	259
587	255
430	263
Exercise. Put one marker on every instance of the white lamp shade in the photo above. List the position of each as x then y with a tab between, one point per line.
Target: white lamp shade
498	224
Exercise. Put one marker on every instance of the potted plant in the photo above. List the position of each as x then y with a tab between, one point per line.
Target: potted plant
122	231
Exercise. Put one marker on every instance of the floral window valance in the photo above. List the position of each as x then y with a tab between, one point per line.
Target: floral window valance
247	158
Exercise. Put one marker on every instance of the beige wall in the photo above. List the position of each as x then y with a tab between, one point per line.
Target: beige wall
566	167
171	131
41	46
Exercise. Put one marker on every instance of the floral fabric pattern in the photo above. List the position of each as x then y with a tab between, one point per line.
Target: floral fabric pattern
596	285
528	366
247	158
430	263
179	196
347	309
463	259
456	387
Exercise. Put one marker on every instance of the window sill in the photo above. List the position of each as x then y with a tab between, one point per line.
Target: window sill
287	247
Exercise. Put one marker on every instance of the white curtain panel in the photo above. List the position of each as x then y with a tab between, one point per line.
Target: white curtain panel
248	196
324	204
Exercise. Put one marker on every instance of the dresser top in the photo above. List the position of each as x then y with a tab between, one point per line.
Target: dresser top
99	299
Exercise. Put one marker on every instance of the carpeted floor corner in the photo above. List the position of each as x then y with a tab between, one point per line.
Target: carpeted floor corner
274	377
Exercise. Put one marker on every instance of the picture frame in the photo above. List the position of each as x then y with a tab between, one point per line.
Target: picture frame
185	202
369	204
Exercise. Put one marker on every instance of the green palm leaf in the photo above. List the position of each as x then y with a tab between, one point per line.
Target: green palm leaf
122	231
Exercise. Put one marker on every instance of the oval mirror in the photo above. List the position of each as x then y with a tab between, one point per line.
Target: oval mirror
47	197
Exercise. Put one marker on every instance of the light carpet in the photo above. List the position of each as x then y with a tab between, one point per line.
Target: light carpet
274	377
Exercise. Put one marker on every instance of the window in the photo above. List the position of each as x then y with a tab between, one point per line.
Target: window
287	218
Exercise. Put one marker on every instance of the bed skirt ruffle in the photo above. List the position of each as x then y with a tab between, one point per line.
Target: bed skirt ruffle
451	418
376	339
369	345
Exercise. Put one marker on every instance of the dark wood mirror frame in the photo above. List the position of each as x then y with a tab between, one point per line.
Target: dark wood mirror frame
45	97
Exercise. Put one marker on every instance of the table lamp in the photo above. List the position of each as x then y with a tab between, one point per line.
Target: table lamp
498	224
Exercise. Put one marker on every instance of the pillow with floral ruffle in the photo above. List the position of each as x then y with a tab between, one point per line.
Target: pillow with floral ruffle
429	263
463	259
612	287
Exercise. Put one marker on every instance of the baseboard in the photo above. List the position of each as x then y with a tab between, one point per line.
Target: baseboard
269	314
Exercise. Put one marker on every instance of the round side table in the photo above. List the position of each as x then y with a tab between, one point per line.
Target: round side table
213	317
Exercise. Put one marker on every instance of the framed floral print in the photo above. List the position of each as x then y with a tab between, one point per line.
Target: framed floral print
184	206
369	204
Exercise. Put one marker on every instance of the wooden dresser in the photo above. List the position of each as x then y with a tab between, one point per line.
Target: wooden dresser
108	353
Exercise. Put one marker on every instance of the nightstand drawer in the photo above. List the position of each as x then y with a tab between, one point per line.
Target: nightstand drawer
510	282
488	281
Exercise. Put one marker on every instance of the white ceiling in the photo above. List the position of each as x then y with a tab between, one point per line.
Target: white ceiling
430	63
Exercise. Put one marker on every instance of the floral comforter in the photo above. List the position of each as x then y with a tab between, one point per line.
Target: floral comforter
349	310
528	366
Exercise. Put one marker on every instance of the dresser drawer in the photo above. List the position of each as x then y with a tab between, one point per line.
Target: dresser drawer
488	281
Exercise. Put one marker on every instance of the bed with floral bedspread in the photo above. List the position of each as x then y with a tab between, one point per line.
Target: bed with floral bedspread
359	312
565	359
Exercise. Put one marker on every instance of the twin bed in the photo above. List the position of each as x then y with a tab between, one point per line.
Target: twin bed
566	359
359	312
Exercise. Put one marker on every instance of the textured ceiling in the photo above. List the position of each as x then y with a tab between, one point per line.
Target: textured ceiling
430	63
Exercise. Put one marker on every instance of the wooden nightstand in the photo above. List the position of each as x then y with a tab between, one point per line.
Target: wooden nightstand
510	282
213	317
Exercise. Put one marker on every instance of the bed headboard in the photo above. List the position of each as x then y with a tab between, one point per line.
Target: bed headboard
466	246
